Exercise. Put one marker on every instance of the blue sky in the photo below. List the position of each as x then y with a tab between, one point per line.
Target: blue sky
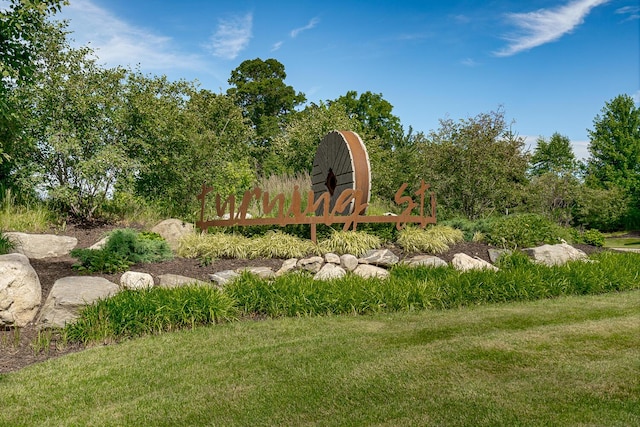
550	64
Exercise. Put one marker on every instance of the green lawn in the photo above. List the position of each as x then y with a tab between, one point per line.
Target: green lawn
622	242
564	361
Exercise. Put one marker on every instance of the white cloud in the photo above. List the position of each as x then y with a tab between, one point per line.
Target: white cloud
117	42
546	25
632	11
276	46
636	97
294	33
469	62
231	36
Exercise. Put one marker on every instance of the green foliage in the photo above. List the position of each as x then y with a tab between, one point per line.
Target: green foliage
100	260
602	209
215	245
524	230
276	244
468	227
349	242
555	156
435	239
592	237
415	288
514	260
477	167
32	217
150	311
259	90
6	244
123	248
555	196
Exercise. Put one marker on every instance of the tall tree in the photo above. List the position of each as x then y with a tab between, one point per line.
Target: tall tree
554	155
374	114
615	153
259	89
615	145
476	166
77	127
24	30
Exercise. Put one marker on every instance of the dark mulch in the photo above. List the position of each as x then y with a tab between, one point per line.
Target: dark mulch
16	346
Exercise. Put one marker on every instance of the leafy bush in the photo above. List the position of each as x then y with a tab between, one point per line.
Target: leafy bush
514	259
6	244
216	245
525	230
434	239
276	244
123	248
133	313
469	228
592	237
349	242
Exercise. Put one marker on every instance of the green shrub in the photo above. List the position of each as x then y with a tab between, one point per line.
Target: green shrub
433	240
468	227
514	259
525	230
349	242
276	244
123	248
216	245
6	244
133	313
100	260
593	237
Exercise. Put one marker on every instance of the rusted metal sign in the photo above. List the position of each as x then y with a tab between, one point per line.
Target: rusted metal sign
318	209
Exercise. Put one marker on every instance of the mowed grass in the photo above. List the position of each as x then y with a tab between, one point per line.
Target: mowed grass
622	242
565	361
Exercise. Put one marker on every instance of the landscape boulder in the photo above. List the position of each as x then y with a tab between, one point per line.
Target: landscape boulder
38	246
287	266
425	260
136	280
464	262
329	271
20	291
221	278
367	271
380	257
312	264
175	280
69	295
348	262
262	272
555	254
172	230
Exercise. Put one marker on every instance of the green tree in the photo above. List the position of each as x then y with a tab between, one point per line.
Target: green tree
295	147
24	30
374	114
476	166
555	155
259	89
615	152
77	128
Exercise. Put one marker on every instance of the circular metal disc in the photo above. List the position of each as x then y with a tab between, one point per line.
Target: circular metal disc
341	163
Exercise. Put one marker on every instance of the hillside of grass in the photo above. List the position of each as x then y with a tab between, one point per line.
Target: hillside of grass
564	361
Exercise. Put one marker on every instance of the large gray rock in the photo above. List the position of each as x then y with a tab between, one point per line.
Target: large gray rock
464	262
221	278
381	257
495	254
38	246
425	260
176	280
172	230
263	272
367	271
329	271
136	280
312	264
555	254
332	258
287	266
20	292
348	262
69	295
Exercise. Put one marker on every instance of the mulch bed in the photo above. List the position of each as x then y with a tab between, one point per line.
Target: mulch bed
16	347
